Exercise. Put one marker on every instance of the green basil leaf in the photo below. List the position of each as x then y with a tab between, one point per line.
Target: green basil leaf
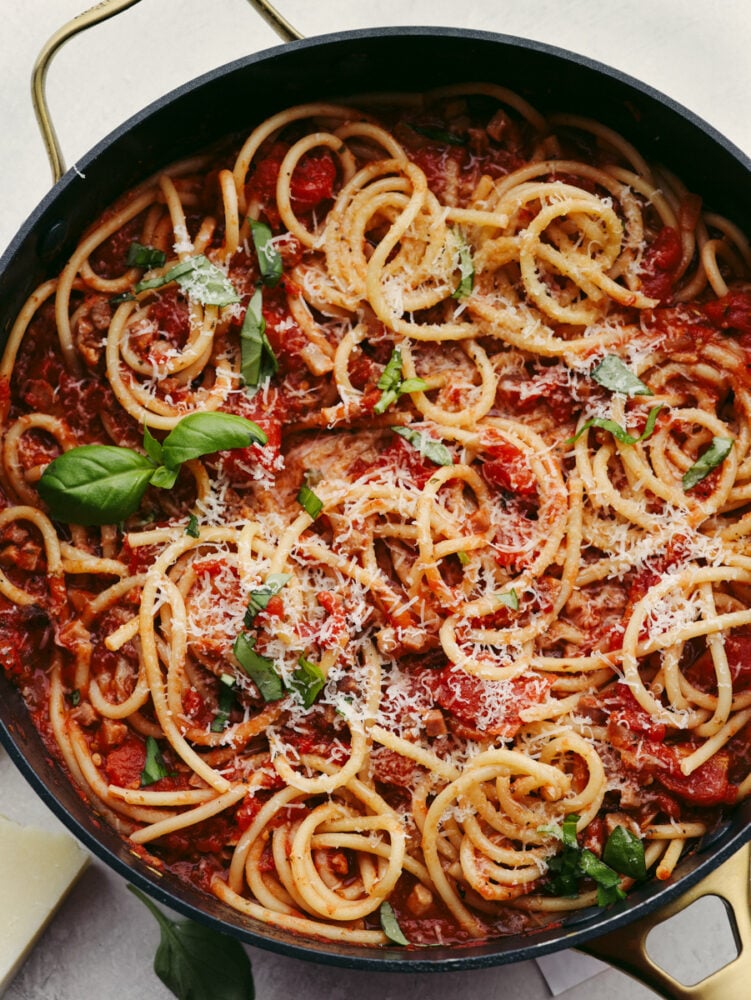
226	702
75	698
609	895
257	358
390	925
466	267
597	870
259	599
389	382
269	258
568	830
95	484
624	852
613	374
511	599
152	447
197	963
439	135
201	281
117	300
165	478
260	669
192	527
207	432
140	255
434	451
308	681
618	432
154	768
715	454
311	504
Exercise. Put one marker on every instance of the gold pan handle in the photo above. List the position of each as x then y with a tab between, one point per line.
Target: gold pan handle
626	948
96	15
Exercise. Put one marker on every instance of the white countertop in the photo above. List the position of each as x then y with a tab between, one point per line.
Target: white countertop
102	941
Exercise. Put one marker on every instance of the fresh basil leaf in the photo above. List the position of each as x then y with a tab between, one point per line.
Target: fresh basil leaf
140	255
152	447
95	484
226	702
259	668
269	258
154	768
412	385
192	527
199	279
257	358
618	432
308	681
511	599
568	830
624	852
390	925
466	267
434	451
207	432
196	963
259	599
606	896
310	503
715	454
613	374
165	478
591	866
439	135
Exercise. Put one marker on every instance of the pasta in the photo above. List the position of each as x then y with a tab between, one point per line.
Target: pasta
375	505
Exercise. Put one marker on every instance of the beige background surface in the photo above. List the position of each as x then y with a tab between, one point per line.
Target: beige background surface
102	942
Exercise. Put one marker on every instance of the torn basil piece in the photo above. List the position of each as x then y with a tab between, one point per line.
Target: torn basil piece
259	598
436	134
140	255
613	374
226	702
618	432
715	455
269	258
201	281
434	451
311	504
260	669
466	267
257	358
390	925
308	681
511	599
154	769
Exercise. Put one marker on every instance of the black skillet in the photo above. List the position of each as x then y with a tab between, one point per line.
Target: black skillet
233	99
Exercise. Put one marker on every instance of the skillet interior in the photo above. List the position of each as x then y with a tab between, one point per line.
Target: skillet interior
233	99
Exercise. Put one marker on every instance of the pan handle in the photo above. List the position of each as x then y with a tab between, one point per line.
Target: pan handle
626	948
96	15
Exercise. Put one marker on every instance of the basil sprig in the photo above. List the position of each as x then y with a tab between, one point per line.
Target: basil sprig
390	925
154	769
257	358
269	258
197	963
466	267
618	432
434	451
715	454
104	484
259	599
613	374
199	279
140	255
623	855
392	385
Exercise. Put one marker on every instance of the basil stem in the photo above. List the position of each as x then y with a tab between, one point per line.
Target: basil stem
257	358
613	374
259	668
201	281
715	454
434	451
154	769
197	963
269	258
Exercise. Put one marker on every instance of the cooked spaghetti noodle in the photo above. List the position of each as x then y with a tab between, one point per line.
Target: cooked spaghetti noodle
486	586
